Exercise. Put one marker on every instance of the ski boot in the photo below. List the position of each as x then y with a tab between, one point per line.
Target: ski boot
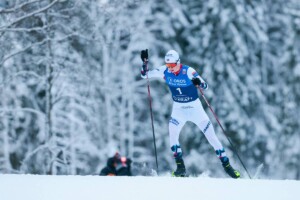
180	171
230	171
226	165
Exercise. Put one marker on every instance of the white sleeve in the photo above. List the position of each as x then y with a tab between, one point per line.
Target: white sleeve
191	72
156	73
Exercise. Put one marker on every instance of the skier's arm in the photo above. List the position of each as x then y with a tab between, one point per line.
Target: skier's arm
196	78
155	73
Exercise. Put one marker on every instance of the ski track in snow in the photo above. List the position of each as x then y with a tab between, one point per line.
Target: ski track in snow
43	187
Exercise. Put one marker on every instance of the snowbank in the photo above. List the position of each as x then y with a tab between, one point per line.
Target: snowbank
37	187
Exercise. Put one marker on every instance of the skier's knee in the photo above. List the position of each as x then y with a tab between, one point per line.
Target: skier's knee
206	125
173	121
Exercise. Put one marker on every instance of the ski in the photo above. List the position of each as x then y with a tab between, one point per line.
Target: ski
183	175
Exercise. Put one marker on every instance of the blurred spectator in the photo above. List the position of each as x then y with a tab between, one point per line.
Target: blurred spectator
117	166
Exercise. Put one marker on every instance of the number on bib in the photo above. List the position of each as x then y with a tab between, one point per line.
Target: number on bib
179	90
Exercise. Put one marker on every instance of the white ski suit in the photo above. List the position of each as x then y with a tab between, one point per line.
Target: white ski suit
186	106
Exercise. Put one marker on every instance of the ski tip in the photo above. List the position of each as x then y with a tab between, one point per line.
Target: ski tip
153	172
258	171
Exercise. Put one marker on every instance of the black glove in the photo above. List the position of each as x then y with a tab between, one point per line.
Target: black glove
144	55
196	81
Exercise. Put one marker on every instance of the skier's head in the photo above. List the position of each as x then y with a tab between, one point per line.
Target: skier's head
172	57
172	61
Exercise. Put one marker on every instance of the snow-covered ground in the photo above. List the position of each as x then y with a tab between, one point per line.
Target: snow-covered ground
40	187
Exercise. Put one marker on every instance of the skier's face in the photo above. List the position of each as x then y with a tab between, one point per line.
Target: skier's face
173	67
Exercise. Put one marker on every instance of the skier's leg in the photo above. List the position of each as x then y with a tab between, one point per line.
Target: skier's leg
200	118
208	130
175	125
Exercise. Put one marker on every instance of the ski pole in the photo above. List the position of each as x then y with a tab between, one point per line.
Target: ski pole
151	114
216	117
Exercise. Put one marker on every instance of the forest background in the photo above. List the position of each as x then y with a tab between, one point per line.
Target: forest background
71	92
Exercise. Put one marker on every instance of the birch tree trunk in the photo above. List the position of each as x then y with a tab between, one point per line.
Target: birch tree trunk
49	79
5	165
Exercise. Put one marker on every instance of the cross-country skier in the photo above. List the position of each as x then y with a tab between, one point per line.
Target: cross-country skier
182	81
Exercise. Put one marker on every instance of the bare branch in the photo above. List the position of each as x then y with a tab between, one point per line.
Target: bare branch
10	10
20	73
5	110
33	45
22	50
39	148
30	14
24	29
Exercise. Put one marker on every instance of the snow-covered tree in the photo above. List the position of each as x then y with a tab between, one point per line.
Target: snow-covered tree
71	92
